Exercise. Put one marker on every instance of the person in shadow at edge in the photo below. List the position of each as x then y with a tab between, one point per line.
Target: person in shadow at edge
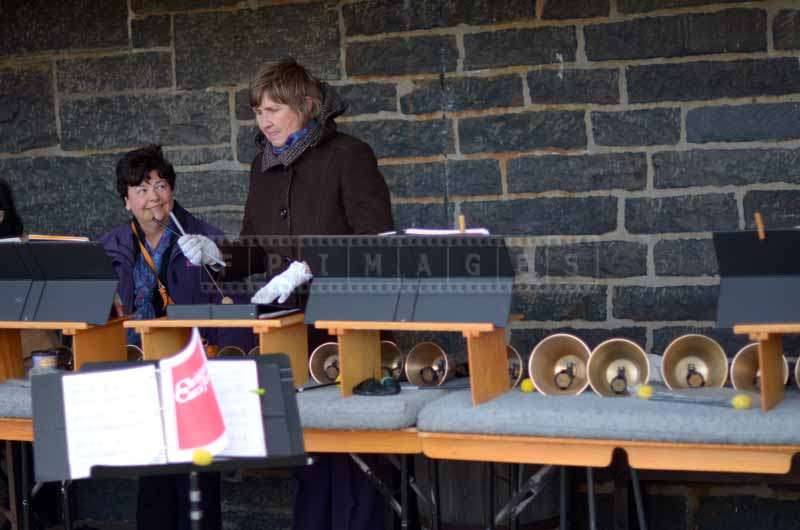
10	221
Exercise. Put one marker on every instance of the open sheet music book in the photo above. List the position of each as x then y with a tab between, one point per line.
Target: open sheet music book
149	416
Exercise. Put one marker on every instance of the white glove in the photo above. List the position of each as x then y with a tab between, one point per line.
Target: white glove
199	249
282	285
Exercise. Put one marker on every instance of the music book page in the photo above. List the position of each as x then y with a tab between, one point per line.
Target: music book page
113	418
236	384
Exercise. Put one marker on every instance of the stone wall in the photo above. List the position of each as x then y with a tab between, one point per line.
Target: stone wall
607	138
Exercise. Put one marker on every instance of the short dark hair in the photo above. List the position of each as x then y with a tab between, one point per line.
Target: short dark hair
11	225
289	83
135	166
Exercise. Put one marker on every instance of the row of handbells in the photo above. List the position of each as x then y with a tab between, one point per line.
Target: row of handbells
562	364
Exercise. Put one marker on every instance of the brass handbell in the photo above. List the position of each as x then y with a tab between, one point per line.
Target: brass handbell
323	364
427	364
516	370
616	366
134	353
694	361
557	365
745	373
392	360
231	351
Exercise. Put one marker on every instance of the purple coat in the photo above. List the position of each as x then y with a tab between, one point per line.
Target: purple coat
186	283
183	279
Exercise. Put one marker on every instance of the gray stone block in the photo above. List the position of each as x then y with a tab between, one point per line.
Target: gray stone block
121	72
199	156
560	9
637	127
546	45
577	173
246	143
244	111
685	257
712	79
152	32
253	37
385	16
689	302
574	86
369	98
401	56
743	123
155	6
128	121
643	6
786	30
729	31
400	138
420	216
561	302
229	221
66	195
80	24
546	216
27	112
469	93
684	213
415	180
725	167
523	131
726	338
473	177
212	188
779	208
606	259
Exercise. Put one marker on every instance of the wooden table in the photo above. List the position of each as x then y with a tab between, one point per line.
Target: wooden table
288	334
90	343
770	362
664	456
360	352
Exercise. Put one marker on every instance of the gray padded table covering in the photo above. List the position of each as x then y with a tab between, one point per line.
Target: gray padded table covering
325	408
15	399
625	418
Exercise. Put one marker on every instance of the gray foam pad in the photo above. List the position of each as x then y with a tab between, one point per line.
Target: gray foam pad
15	399
325	408
627	418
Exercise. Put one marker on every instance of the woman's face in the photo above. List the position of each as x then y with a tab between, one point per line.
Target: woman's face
277	121
152	198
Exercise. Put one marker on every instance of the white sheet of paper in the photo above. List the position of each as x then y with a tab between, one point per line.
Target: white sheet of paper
113	418
235	383
446	232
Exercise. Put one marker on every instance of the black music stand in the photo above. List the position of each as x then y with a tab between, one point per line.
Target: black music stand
409	279
41	281
759	278
281	422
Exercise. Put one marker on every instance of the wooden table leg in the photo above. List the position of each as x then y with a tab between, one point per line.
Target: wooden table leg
488	365
770	354
291	340
99	344
158	343
359	357
10	354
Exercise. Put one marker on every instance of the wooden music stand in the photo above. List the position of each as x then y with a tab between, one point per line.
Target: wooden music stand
163	337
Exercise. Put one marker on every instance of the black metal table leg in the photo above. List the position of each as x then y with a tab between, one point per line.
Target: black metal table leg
590	497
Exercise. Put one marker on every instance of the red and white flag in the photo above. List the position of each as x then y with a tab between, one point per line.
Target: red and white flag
191	411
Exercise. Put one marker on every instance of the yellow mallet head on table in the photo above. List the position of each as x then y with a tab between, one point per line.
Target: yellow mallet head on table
644	392
527	385
741	401
202	457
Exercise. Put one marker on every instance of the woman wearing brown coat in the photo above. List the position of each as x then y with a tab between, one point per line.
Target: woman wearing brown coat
308	179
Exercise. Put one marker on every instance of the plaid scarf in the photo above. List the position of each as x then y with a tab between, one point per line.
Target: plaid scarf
332	106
